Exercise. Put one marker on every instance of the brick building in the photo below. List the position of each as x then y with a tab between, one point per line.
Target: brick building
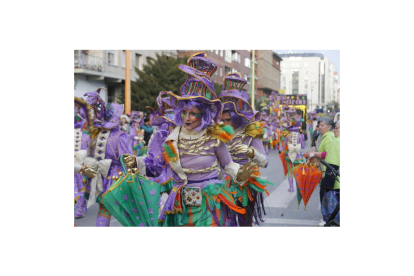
267	72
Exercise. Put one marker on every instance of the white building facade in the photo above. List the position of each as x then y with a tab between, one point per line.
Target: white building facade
106	68
311	74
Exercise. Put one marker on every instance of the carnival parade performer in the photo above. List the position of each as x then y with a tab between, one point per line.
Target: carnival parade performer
124	123
137	120
245	146
108	144
196	152
266	132
82	140
292	144
154	166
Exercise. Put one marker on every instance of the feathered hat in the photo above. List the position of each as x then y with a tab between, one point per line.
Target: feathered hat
199	85
233	98
107	115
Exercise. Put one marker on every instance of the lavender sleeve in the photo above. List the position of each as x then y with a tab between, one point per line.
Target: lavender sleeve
302	140
258	144
125	146
223	155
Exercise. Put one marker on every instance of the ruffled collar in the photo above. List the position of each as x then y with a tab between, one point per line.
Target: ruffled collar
191	134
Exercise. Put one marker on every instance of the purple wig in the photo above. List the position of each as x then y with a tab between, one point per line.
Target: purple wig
206	117
237	120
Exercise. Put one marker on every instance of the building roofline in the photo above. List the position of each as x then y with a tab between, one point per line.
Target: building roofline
320	55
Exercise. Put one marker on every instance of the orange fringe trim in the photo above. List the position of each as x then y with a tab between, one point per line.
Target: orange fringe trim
231	205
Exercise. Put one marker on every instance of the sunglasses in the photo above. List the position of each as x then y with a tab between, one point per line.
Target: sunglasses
227	120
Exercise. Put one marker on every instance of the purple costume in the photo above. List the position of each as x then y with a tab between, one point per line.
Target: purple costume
107	145
197	157
154	166
82	140
247	135
136	118
294	142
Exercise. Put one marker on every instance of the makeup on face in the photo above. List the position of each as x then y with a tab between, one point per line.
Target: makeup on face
226	118
193	115
191	118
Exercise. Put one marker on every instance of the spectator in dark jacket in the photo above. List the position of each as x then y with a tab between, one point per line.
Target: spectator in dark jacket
147	130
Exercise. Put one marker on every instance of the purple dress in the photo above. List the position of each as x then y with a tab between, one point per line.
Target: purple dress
157	169
82	140
104	155
201	160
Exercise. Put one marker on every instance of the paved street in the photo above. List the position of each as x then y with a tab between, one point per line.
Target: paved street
281	205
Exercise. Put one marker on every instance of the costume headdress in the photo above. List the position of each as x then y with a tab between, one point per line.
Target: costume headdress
292	119
137	117
107	115
165	113
234	98
84	112
199	85
257	116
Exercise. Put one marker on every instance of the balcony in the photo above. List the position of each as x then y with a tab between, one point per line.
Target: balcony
86	61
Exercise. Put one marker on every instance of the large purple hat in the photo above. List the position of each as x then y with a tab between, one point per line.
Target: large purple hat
234	98
199	71
165	113
292	119
198	86
83	111
107	115
137	117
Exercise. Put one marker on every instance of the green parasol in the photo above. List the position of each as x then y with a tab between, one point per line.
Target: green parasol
133	199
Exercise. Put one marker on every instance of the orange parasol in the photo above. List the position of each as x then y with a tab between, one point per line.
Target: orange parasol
307	178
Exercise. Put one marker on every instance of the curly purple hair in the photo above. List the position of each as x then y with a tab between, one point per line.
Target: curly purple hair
206	117
237	120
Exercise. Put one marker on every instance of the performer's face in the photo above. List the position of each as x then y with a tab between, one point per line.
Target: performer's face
191	118
226	117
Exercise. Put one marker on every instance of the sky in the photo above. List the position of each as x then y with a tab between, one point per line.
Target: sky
332	55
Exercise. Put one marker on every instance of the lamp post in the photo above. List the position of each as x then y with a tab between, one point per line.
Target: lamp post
252	77
127	84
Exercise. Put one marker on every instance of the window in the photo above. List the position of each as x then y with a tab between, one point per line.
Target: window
217	52
138	61
227	57
236	56
221	52
221	71
227	70
295	82
111	57
247	62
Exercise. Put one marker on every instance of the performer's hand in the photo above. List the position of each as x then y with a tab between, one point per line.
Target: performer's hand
88	172
129	160
246	172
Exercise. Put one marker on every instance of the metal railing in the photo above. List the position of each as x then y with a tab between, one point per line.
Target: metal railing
89	62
